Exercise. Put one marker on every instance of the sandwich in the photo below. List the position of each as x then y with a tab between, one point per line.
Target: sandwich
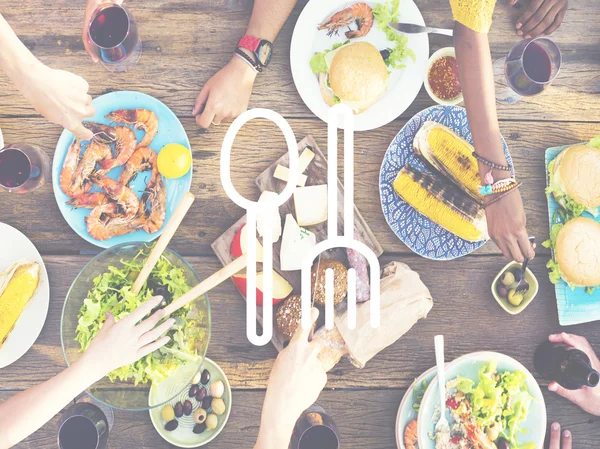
450	155
352	73
574	180
443	203
576	250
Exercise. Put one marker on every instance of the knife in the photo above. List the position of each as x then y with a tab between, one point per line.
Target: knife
410	28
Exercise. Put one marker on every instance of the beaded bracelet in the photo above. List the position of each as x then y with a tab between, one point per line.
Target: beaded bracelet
500	186
490	163
502	195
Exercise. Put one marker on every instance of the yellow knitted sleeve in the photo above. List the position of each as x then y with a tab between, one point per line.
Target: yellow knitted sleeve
475	14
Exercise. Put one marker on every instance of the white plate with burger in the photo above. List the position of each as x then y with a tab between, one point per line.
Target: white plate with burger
346	53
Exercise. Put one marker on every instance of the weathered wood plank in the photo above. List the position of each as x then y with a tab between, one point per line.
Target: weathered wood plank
257	145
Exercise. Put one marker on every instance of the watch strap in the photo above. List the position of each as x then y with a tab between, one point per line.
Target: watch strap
240	53
249	43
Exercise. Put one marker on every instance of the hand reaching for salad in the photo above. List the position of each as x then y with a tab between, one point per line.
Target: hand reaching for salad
587	398
557	441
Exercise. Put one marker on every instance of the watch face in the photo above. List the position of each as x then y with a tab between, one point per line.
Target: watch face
264	53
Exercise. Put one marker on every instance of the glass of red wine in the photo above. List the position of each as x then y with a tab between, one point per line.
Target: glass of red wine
85	425
23	168
315	429
114	37
528	69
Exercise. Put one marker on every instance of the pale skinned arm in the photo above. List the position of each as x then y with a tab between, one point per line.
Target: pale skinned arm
227	94
61	97
116	345
506	217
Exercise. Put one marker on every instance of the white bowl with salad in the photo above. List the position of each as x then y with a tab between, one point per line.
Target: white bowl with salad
492	401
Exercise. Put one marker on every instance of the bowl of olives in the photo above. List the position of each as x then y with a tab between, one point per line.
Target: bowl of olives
504	288
196	415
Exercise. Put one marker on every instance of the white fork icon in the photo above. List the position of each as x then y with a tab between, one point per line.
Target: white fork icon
334	240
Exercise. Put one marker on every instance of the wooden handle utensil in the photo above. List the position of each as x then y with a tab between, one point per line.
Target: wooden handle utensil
176	219
208	284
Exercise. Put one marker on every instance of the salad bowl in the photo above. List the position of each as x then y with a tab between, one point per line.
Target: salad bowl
530	433
101	287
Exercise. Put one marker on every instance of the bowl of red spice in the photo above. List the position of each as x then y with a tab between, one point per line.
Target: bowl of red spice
442	82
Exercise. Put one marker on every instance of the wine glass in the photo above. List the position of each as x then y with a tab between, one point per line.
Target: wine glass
114	37
23	168
315	428
527	70
85	425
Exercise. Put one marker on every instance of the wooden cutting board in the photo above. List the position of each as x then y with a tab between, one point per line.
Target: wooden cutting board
316	174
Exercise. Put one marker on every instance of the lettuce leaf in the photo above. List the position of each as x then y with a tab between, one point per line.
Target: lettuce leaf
318	64
390	12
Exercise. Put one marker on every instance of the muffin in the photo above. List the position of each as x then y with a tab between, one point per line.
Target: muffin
340	280
289	315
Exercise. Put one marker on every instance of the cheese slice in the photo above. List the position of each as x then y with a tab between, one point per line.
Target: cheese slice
283	173
311	204
276	226
305	159
295	245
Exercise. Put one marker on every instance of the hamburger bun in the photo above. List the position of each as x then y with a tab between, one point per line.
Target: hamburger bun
358	75
577	252
577	174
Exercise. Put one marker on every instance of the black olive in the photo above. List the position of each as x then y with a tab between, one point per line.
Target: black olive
502	444
206	402
171	425
201	394
187	408
199	428
385	54
205	378
178	410
193	391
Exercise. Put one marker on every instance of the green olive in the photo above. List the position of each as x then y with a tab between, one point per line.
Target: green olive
493	431
508	278
515	298
133	275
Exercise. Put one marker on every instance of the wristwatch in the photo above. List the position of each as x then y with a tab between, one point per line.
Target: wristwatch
261	49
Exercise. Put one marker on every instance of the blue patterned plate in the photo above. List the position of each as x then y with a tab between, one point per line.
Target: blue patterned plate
170	130
418	232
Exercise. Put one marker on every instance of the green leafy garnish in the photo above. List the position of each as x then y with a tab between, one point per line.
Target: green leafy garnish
390	12
595	142
318	64
419	393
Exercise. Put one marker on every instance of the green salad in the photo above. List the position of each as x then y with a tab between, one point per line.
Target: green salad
112	293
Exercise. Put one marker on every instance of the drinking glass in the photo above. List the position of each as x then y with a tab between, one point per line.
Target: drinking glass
114	37
85	425
23	167
315	429
527	70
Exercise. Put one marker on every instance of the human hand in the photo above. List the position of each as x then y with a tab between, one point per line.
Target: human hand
296	380
123	343
90	7
541	18
226	94
60	96
586	398
507	227
558	442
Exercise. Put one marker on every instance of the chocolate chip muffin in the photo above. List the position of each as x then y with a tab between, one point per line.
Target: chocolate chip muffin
340	280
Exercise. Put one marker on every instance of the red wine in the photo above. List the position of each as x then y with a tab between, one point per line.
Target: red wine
78	432
537	63
568	366
109	28
15	168
318	437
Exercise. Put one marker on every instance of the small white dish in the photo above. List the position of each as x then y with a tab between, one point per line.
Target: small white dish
446	51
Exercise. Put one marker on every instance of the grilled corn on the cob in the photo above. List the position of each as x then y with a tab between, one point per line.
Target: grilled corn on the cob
17	286
442	203
450	155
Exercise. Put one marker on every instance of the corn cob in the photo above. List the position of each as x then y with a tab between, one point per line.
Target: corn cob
17	286
450	155
443	203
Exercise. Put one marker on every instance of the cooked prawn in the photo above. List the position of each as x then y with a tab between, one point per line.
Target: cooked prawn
143	159
360	13
81	182
139	119
105	222
123	195
69	166
410	435
89	200
125	145
153	205
102	133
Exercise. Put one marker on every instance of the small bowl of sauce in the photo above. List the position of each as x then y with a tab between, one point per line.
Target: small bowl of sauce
442	81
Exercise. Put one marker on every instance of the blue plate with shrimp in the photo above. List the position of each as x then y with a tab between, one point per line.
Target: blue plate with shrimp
170	130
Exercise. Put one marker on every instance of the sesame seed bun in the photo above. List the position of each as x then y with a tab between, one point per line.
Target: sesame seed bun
578	170
577	252
358	75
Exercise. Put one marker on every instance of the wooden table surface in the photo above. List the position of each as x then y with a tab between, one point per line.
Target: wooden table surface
185	42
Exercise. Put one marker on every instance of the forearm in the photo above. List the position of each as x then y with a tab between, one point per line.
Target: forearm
26	412
15	58
268	17
276	427
477	82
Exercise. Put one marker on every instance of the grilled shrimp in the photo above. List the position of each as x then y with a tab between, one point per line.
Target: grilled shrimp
69	166
140	119
105	222
410	435
89	200
123	195
153	205
81	182
361	13
125	145
143	159
102	133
